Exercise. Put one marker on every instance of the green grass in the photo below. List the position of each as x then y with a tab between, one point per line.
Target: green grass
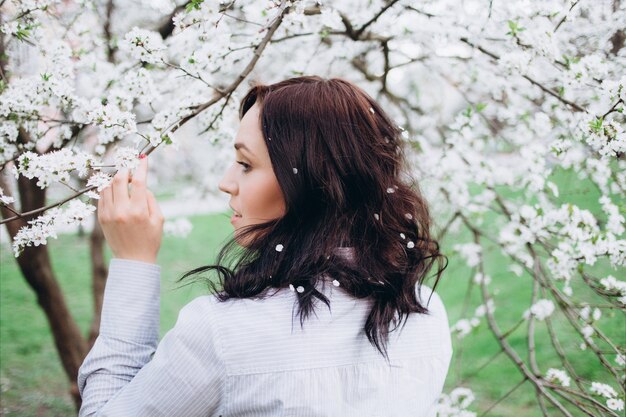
33	381
34	384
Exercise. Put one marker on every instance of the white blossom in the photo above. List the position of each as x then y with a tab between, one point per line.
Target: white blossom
100	180
47	225
126	158
179	228
479	278
604	390
464	326
482	309
471	252
615	223
114	123
616	404
144	45
5	199
455	403
541	310
558	376
610	283
54	166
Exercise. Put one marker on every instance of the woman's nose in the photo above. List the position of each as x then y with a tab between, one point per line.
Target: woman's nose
227	185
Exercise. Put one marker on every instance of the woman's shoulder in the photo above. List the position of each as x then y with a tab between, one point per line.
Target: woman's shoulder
430	299
434	303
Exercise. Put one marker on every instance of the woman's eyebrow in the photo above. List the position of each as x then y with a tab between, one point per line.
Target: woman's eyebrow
239	145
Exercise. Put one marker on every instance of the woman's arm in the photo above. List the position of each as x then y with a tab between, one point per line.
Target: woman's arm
119	378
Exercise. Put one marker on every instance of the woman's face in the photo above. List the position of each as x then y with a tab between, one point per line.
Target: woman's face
255	195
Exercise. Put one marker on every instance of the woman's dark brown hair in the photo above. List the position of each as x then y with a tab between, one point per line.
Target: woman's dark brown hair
350	190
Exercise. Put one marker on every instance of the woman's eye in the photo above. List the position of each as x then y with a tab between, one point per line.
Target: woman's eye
245	166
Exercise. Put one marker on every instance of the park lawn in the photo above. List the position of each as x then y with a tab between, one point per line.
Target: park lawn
33	381
34	384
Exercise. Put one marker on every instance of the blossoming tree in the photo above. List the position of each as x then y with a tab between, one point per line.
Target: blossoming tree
495	98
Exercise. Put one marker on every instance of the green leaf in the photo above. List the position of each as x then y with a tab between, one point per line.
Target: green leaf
514	28
193	4
596	124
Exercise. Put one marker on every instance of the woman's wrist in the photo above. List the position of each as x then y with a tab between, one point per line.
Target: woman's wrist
144	259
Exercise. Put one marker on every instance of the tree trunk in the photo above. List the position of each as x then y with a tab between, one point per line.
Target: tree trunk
99	272
34	263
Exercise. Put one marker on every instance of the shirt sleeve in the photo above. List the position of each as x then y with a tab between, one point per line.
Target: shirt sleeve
127	374
445	356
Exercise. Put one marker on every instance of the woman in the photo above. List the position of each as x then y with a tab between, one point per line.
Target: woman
321	215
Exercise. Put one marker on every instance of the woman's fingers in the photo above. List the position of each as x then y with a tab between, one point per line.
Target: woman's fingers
138	193
153	207
105	204
120	189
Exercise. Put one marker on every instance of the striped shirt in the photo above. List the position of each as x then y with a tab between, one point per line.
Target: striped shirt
247	357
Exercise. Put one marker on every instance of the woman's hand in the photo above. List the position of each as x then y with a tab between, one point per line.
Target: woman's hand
131	220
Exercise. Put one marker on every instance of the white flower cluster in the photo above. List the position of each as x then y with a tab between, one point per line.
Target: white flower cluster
5	199
54	166
526	226
578	230
482	309
607	137
178	228
113	122
583	71
558	376
615	222
26	6
47	225
606	391
471	252
135	85
542	309
610	283
463	327
586	314
126	158
455	404
615	89
8	136
144	45
100	180
588	317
